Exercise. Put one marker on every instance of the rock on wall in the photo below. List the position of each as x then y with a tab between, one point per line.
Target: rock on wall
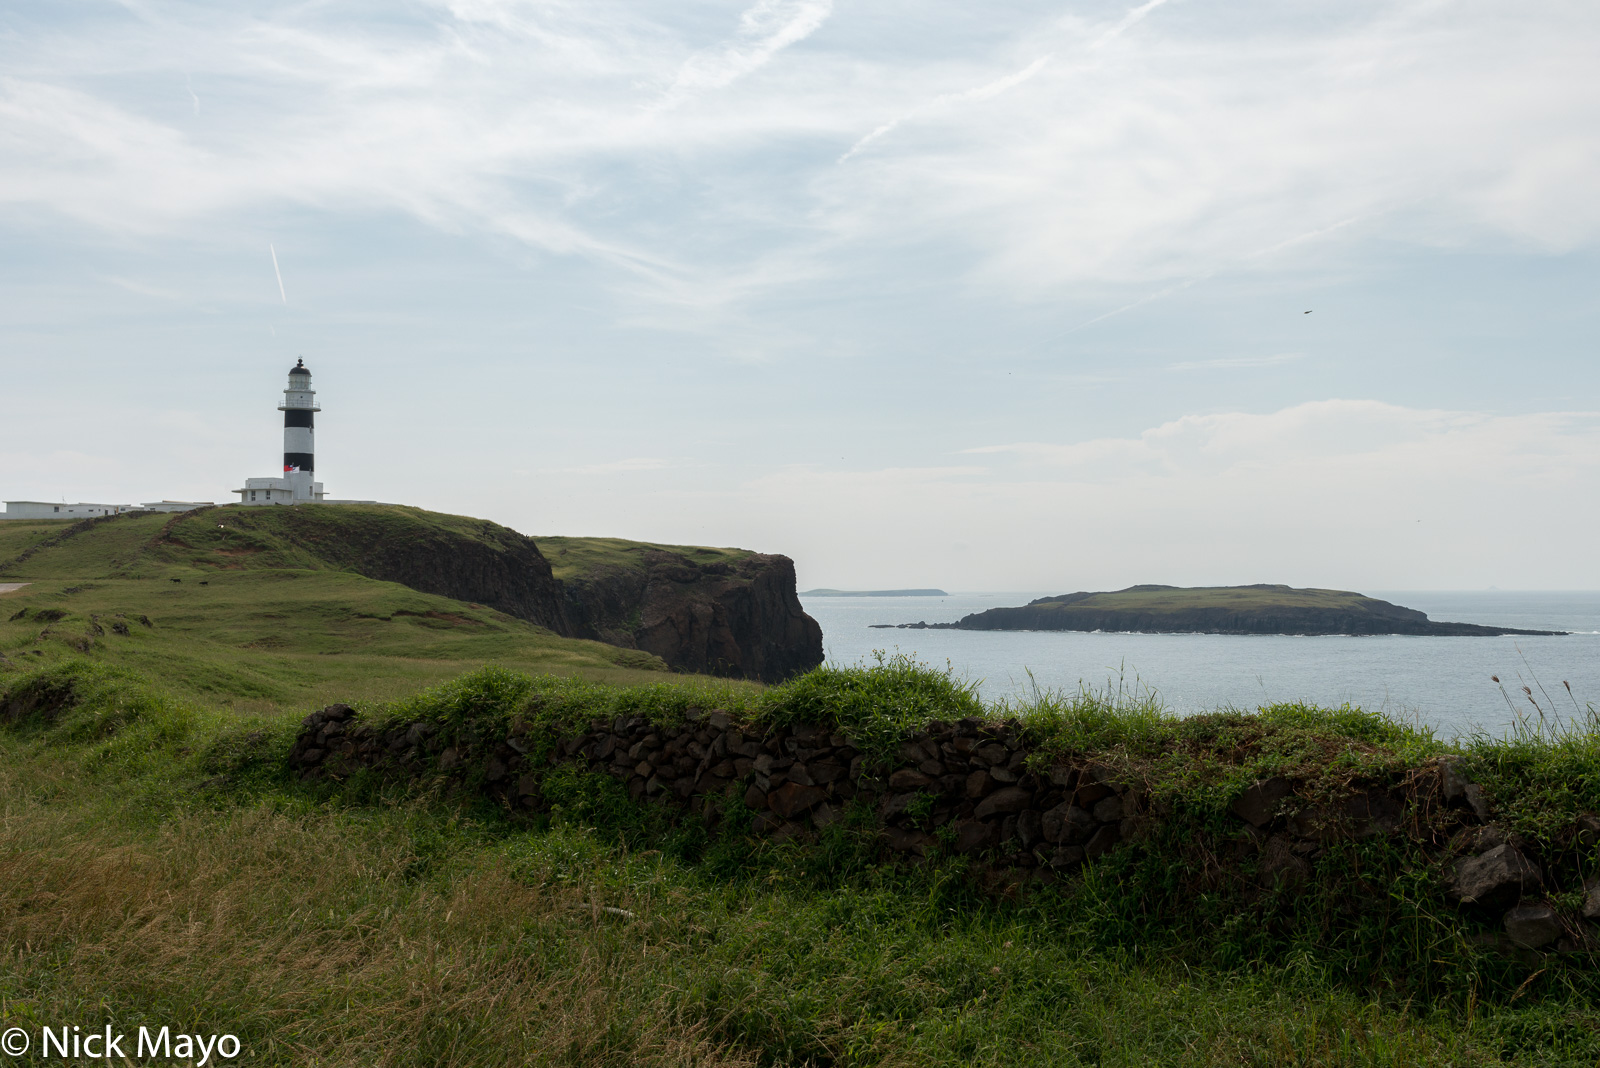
970	787
737	619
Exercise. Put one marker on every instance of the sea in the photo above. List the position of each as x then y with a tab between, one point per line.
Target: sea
1445	684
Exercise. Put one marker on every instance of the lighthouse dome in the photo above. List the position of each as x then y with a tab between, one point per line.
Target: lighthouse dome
300	368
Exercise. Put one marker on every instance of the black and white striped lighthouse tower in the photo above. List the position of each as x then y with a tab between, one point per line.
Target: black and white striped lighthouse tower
299	451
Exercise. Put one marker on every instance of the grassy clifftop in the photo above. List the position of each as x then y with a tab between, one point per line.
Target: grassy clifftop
232	538
256	603
256	608
575	558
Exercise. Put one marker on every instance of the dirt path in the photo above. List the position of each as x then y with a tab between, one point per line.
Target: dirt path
12	587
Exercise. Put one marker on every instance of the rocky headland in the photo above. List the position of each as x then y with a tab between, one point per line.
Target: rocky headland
727	612
715	611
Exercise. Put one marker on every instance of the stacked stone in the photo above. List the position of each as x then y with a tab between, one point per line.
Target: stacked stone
971	786
332	743
973	777
791	775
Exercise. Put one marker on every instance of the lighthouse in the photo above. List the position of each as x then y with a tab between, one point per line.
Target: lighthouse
299	452
297	484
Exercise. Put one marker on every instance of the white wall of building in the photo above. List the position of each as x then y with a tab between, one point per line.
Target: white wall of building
176	506
287	490
47	510
81	510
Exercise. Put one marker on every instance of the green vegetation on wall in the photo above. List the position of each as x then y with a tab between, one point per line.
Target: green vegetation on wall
190	876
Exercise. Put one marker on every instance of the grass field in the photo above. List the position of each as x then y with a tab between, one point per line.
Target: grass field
259	608
234	537
249	623
158	865
573	557
270	639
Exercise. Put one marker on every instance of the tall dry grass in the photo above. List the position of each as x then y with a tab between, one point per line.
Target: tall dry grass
309	938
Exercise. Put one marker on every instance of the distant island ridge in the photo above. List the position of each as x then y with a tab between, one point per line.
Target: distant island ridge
873	593
1257	609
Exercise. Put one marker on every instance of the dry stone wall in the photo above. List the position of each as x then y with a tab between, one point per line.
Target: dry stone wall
970	786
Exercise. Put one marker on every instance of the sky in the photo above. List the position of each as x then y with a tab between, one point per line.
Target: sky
1003	296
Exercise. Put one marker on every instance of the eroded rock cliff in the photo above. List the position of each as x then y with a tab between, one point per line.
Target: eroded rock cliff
727	612
720	612
466	559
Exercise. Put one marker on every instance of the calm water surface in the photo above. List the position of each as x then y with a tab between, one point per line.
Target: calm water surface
1443	683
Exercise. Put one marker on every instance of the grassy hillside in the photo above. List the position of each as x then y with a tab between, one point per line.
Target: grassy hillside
239	611
232	538
161	865
284	638
572	558
157	865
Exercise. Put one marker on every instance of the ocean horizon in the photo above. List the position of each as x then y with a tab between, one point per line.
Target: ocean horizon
1442	683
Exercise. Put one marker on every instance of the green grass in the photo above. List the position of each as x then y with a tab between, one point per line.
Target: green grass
229	538
157	867
268	639
577	557
258	609
107	548
307	537
1187	598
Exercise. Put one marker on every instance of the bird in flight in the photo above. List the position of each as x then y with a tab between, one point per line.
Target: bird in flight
1308	311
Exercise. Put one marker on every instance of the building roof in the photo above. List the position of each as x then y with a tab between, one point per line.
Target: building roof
300	368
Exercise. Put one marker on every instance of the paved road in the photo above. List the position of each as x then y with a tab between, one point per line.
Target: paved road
9	587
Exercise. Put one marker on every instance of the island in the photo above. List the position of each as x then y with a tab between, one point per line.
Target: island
873	593
1258	609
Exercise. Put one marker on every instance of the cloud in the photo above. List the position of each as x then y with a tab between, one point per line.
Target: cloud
1331	435
944	100
1337	492
765	28
632	463
143	289
1230	362
1046	152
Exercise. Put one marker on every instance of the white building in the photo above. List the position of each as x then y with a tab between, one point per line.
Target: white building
299	448
46	510
176	506
296	486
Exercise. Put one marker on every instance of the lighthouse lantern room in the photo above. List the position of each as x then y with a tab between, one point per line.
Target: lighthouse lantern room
297	485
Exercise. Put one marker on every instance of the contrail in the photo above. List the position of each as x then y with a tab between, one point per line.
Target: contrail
277	272
982	92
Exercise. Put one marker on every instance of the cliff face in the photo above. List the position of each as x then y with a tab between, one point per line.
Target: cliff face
717	611
737	617
465	559
499	568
